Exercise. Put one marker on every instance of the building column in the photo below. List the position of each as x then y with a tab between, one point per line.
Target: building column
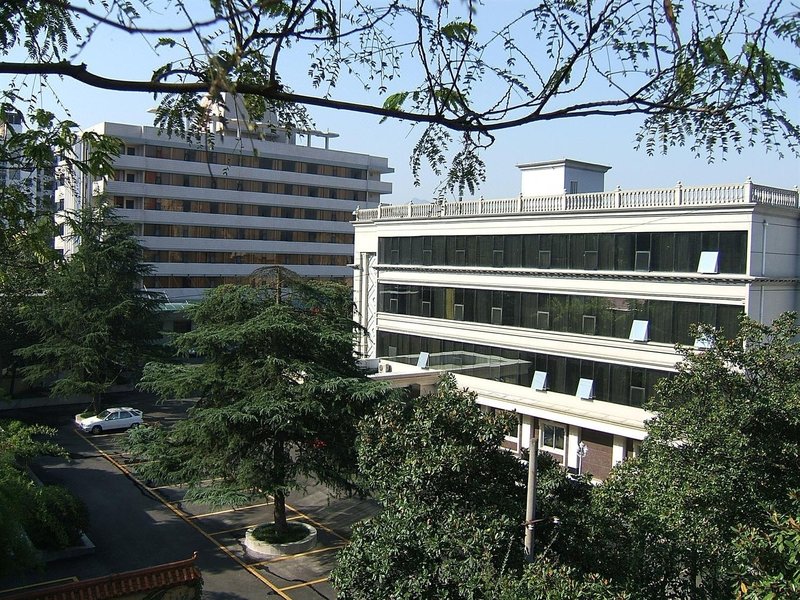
571	449
620	450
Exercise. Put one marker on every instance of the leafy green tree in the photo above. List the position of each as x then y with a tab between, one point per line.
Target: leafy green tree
720	454
29	145
713	75
93	321
545	579
19	443
453	502
279	391
769	558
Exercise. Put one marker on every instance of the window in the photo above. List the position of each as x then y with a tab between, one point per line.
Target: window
573	187
422	361
497	316
708	263
130	177
585	389
539	382
642	260
458	312
553	437
589	324
393	305
426	308
544	259
130	151
542	319
639	331
637	395
590	260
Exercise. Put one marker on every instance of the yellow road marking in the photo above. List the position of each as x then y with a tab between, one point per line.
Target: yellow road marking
183	516
41	584
316	523
305	584
229	510
291	556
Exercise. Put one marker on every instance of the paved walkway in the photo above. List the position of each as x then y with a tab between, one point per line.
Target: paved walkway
135	526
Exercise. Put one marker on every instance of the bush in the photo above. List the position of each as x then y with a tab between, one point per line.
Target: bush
56	518
267	533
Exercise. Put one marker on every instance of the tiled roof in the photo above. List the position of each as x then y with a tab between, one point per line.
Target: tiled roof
118	585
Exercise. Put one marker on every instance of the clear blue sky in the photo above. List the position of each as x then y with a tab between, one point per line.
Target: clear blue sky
609	140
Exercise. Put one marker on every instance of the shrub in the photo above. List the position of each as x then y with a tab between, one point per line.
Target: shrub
56	518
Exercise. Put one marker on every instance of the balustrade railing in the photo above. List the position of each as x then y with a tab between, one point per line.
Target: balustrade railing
707	195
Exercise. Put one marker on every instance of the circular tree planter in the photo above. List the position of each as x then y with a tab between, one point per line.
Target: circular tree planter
258	549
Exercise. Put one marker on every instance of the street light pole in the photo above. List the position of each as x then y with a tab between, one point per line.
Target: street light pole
530	509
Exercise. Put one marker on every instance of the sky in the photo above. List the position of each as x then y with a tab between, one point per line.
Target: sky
605	140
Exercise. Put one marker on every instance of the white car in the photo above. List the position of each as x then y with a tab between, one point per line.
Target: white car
110	419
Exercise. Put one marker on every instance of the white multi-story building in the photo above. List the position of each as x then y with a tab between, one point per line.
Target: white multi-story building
564	304
209	214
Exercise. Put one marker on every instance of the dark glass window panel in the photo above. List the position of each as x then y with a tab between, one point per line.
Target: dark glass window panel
663	253
576	248
405	251
472	250
530	251
439	250
688	251
511	309
512	251
485	251
733	252
709	241
483	306
559	251
625	251
416	250
605	252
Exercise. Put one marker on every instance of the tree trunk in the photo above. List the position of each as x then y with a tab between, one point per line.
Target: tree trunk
97	402
279	512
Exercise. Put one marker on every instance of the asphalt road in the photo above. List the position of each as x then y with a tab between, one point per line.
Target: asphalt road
133	526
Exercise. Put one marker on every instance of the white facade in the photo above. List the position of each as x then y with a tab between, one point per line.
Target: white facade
590	291
208	214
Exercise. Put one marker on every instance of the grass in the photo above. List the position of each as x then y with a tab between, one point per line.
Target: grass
266	533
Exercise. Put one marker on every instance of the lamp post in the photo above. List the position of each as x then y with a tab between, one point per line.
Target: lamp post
530	508
582	451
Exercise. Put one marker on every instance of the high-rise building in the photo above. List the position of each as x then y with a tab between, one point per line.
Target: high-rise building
209	213
564	304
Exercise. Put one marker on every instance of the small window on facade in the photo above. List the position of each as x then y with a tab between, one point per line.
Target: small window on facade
589	324
637	395
458	312
130	151
422	361
497	316
392	350
708	263
539	382
703	342
426	308
544	259
553	437
130	177
461	257
497	258
573	187
640	331
393	305
642	260
542	319
590	260
585	389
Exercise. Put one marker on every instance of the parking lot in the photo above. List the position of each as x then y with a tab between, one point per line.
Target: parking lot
135	525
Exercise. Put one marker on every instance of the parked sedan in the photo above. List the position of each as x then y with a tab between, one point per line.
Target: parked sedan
110	419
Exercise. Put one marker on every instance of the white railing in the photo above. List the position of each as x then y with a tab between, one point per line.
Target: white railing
706	195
